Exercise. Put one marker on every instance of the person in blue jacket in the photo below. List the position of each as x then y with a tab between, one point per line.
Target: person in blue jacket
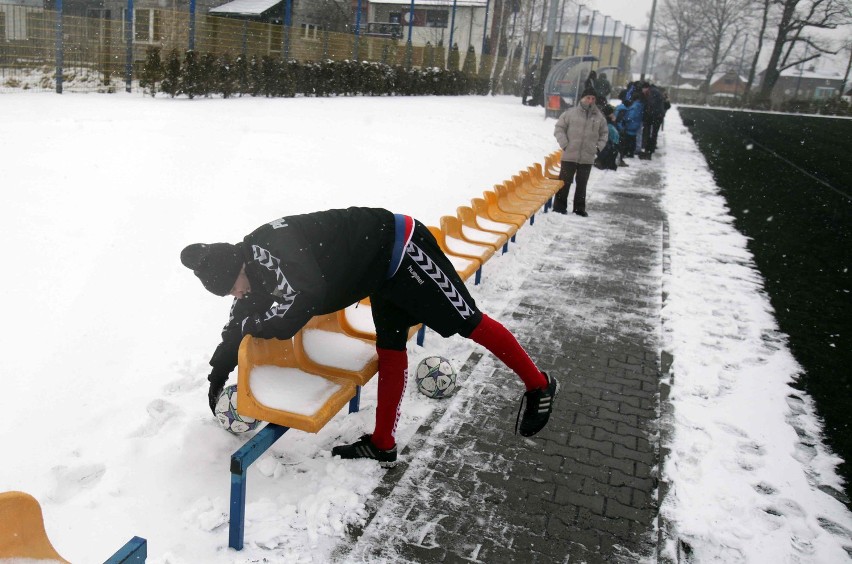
628	120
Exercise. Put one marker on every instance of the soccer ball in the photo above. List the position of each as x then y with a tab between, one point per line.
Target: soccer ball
226	413
435	377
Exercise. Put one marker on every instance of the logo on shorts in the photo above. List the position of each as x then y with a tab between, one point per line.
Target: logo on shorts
414	275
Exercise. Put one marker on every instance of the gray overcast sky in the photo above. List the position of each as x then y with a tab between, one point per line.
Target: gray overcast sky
630	12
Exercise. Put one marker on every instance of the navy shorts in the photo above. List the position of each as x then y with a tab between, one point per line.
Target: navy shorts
425	289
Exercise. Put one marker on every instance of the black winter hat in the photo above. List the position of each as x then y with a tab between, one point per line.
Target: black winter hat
217	265
589	91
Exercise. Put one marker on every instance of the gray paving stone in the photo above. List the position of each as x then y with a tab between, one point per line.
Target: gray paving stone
584	489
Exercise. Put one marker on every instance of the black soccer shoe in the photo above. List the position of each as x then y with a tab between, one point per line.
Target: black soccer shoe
364	448
539	404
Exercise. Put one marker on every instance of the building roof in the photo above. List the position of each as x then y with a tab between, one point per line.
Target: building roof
811	74
701	76
433	3
245	7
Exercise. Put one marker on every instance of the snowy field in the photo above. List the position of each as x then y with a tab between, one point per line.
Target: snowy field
107	335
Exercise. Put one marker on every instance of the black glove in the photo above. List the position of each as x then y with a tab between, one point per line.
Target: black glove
252	326
217	383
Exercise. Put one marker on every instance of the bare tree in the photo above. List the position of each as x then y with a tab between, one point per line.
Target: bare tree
753	69
848	47
723	22
679	22
797	18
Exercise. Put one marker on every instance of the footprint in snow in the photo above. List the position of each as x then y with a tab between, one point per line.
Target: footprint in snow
159	412
71	481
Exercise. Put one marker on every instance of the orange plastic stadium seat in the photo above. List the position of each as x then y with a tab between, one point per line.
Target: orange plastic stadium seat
484	219
496	213
510	203
269	396
322	347
524	189
552	165
22	534
539	178
466	266
457	243
476	233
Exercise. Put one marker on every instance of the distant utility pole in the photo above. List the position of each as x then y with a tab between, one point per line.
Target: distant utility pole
547	56
577	30
648	40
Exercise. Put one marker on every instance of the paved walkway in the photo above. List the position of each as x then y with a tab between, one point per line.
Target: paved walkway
584	489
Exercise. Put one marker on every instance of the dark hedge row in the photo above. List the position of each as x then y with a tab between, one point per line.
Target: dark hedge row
206	74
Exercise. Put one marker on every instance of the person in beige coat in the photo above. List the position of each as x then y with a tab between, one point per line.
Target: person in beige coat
581	132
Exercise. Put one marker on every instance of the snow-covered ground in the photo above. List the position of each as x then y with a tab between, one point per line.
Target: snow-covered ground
107	335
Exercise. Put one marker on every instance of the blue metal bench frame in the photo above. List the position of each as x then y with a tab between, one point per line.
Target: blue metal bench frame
136	550
245	457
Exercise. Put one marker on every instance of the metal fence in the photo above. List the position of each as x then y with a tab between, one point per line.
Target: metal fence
41	50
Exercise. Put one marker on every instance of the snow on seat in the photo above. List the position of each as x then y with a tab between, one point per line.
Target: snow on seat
273	387
479	236
497	213
458	243
357	320
465	265
322	347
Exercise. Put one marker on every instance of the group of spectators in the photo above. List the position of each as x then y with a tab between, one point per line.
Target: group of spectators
595	133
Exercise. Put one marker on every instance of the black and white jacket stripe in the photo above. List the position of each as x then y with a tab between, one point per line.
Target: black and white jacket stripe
305	265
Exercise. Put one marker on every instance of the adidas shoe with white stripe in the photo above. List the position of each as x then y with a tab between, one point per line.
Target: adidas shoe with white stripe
539	404
364	448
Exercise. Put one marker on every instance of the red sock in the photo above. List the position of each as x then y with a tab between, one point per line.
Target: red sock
497	339
393	373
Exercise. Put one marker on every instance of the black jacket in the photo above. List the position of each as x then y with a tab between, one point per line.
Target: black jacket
655	108
300	266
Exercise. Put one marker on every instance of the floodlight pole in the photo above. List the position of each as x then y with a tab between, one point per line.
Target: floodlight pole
408	45
547	55
612	47
484	25
559	35
357	30
588	49
648	35
192	25
577	31
59	47
600	47
288	21
452	28
128	38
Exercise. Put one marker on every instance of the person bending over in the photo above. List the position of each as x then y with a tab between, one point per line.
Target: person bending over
295	267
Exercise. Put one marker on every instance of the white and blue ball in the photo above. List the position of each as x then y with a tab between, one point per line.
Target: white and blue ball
435	377
228	416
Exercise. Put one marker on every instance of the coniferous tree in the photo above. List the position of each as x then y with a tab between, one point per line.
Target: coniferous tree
429	55
190	77
171	78
152	72
240	74
225	83
453	59
440	55
486	65
255	76
469	65
208	74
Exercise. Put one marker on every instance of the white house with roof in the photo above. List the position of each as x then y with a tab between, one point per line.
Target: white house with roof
804	84
432	21
260	10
